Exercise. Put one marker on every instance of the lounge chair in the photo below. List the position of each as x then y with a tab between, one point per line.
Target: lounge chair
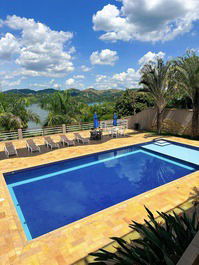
79	138
121	131
32	147
10	149
50	143
65	140
113	131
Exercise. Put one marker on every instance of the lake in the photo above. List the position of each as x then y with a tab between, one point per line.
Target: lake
94	103
42	115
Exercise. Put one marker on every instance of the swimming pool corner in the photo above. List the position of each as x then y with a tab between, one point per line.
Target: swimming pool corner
73	242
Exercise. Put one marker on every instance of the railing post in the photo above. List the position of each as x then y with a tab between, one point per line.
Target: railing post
80	123
64	128
20	134
127	123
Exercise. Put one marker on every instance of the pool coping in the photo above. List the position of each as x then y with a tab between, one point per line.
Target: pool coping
133	235
120	205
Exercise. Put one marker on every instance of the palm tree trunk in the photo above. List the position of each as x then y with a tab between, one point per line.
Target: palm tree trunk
159	120
195	117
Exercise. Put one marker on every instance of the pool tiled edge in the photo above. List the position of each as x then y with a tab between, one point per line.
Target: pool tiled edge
71	243
132	235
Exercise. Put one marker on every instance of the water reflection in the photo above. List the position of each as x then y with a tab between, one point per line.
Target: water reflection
155	173
141	169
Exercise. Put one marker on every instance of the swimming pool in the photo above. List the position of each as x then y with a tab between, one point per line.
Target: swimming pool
176	150
51	196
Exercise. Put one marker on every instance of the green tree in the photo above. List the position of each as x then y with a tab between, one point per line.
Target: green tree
125	105
180	100
104	111
186	77
62	108
14	113
132	102
155	77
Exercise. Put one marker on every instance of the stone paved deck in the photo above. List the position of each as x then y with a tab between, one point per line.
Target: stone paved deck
70	243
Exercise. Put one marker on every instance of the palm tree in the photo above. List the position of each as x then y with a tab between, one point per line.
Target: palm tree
186	77
62	108
155	79
14	113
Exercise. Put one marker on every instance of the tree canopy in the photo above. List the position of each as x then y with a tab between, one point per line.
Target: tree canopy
14	113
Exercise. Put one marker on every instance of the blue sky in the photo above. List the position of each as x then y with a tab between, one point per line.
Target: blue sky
90	43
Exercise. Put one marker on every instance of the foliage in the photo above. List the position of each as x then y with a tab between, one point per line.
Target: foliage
104	111
14	113
132	102
195	196
158	243
179	100
156	78
186	77
62	108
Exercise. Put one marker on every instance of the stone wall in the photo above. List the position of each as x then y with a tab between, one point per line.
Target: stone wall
175	121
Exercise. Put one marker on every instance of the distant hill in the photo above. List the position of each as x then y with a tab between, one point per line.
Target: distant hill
46	91
94	95
74	92
87	95
26	91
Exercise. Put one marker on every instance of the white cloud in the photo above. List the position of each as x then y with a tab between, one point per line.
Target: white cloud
39	85
78	76
9	46
42	50
50	84
70	81
52	81
11	74
100	78
128	79
56	86
151	57
105	57
53	84
129	75
85	68
72	50
155	20
5	84
74	83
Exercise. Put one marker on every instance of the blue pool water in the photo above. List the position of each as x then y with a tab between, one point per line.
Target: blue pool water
53	195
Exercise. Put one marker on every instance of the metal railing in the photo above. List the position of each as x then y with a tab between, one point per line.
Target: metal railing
8	135
64	128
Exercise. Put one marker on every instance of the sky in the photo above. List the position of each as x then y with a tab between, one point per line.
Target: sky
90	43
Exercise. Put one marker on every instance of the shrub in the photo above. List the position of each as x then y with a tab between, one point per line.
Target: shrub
195	196
159	243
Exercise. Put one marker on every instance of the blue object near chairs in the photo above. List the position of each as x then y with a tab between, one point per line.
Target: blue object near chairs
96	122
115	119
